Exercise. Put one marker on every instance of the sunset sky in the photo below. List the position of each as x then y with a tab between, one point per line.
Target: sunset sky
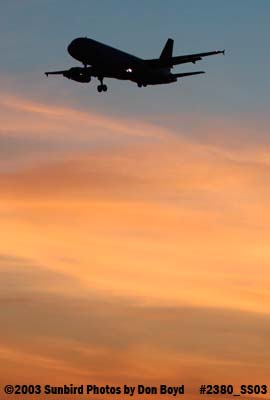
135	225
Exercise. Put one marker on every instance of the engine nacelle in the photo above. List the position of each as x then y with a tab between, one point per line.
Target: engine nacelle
78	74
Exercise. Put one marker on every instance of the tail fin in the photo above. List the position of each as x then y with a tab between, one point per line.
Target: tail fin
167	50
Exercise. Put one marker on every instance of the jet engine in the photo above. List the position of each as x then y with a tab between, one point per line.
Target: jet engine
78	74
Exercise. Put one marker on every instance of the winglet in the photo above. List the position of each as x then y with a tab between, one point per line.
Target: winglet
223	52
46	73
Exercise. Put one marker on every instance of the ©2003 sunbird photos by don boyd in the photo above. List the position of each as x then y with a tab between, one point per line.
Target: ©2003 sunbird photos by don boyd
110	390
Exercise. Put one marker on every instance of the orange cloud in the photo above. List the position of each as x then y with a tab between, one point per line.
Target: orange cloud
152	251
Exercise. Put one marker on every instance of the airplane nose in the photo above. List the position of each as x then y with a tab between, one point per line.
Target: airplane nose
71	47
78	49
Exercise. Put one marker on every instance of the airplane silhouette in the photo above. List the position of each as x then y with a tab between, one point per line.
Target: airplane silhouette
102	61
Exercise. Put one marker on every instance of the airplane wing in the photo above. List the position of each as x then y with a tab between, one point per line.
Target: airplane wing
75	73
56	72
188	58
194	57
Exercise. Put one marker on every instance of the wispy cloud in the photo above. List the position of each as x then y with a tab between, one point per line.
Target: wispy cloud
121	340
154	237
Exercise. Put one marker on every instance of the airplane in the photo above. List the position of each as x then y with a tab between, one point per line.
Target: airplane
102	61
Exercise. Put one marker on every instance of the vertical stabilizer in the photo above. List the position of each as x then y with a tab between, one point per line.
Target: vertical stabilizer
167	50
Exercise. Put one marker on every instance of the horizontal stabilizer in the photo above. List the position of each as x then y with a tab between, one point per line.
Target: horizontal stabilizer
181	75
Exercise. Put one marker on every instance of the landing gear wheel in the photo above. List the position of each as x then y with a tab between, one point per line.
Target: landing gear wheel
139	84
99	88
104	88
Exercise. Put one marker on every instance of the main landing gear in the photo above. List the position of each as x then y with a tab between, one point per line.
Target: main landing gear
101	87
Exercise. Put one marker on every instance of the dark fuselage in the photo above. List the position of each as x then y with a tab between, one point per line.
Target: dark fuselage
103	61
107	61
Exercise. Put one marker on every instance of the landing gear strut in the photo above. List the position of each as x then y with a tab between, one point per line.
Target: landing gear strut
101	87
